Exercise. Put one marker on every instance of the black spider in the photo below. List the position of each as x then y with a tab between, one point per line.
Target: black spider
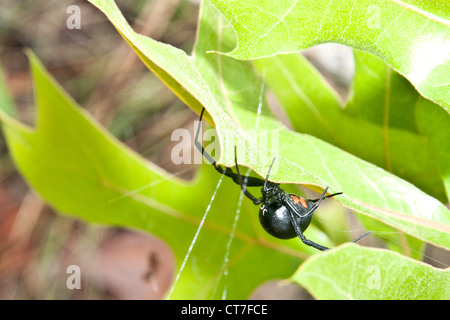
283	215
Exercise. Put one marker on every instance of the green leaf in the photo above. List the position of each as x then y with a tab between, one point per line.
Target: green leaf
352	272
411	36
381	112
395	240
236	90
232	101
404	145
434	124
82	171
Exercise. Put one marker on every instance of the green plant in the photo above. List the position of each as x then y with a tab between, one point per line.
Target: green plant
379	149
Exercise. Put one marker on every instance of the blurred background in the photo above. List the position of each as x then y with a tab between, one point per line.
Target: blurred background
99	70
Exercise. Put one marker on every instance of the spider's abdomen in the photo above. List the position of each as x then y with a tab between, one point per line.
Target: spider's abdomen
276	220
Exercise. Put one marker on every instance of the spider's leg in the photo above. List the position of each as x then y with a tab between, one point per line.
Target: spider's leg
268	172
287	202
362	236
251	181
293	210
302	237
198	145
316	205
331	195
255	200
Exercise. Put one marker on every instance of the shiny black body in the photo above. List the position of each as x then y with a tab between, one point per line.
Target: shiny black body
276	220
